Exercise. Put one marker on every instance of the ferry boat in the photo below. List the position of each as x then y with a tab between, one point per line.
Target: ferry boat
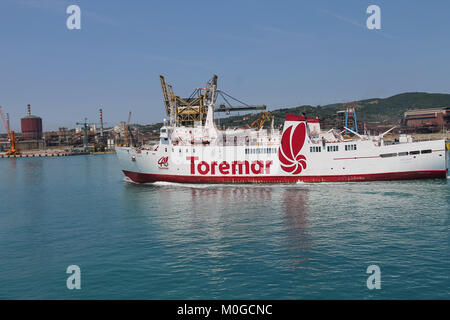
300	152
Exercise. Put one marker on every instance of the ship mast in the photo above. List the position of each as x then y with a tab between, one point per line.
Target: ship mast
210	129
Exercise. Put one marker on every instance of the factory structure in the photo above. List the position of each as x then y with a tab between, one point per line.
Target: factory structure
85	137
427	120
31	127
420	121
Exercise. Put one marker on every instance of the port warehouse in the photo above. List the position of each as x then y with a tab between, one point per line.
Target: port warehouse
33	138
427	120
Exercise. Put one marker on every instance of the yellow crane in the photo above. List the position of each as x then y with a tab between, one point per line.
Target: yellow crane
191	110
188	110
259	122
13	150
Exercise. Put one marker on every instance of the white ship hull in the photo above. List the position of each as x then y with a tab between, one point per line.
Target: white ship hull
294	158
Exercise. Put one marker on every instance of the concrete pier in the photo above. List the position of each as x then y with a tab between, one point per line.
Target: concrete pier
42	154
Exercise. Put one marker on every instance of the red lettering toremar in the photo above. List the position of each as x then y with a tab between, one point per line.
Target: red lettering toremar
237	167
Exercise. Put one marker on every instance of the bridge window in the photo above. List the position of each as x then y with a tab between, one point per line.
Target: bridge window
425	151
403	154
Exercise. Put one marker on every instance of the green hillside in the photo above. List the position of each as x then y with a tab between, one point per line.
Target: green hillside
379	110
382	110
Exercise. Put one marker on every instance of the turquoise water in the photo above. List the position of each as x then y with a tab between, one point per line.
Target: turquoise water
173	241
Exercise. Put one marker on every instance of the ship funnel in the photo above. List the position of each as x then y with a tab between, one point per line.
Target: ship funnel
293	120
295	131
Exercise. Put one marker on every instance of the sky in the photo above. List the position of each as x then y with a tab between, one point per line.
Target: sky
277	53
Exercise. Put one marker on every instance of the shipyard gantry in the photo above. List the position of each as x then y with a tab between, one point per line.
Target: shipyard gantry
193	109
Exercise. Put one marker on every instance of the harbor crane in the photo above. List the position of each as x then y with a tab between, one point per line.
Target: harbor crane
259	122
188	111
100	140
13	150
129	139
85	125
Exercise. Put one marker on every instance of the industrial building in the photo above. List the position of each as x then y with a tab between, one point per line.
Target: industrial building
427	120
31	126
31	138
63	137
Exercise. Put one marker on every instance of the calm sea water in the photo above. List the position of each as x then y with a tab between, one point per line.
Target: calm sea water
173	241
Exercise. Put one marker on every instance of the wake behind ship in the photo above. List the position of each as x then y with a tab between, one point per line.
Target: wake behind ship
193	149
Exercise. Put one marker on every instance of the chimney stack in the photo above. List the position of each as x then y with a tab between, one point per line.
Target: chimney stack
101	123
28	110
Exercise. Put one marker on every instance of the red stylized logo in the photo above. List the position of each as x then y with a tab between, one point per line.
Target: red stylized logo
163	162
292	143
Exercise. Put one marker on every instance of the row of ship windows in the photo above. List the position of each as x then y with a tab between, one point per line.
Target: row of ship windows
388	155
261	151
348	147
179	150
247	151
329	149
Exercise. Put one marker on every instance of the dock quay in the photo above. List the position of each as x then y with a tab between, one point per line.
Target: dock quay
49	154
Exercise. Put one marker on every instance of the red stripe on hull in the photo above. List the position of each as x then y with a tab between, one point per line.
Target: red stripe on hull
408	175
